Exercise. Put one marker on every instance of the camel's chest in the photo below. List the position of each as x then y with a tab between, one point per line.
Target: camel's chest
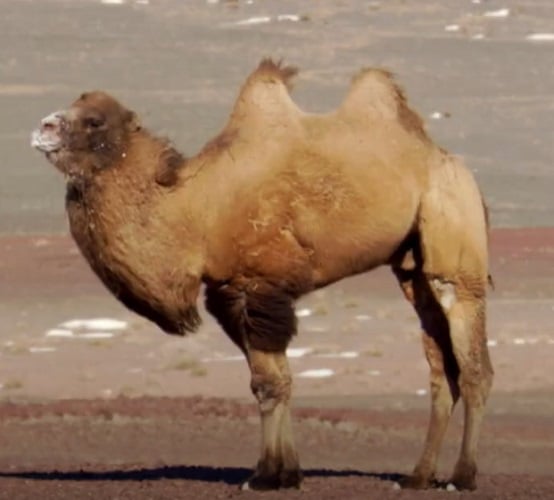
134	260
115	239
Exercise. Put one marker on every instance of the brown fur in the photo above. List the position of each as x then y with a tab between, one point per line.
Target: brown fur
257	315
410	120
280	203
276	71
170	163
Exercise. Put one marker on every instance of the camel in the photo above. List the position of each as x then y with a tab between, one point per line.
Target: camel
281	203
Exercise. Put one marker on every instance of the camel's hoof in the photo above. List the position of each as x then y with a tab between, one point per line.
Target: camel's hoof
464	477
259	483
416	482
285	479
291	478
464	482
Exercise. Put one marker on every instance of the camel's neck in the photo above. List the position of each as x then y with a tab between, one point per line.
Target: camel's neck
141	167
133	232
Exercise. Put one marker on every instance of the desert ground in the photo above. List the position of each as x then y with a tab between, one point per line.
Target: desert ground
96	402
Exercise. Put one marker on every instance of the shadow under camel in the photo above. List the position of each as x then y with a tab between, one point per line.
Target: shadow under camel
229	475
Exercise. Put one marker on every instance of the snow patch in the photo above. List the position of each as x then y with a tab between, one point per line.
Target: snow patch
223	359
304	313
317	373
38	350
522	341
254	20
453	28
95	335
540	37
340	355
497	13
94	324
251	21
298	352
439	115
59	332
289	17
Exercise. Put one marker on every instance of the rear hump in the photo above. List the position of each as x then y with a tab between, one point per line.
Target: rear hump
375	95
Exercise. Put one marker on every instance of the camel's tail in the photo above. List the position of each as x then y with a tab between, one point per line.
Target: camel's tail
488	225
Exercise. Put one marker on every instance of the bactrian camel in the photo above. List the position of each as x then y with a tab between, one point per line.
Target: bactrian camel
279	204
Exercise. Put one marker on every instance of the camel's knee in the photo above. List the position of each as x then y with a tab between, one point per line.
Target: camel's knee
270	390
444	394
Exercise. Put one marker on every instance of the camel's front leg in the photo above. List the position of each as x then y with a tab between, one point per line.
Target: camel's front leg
278	466
260	319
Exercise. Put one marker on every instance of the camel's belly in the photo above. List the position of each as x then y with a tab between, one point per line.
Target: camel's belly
359	236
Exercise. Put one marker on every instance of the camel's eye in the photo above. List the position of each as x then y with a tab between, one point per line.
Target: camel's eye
93	122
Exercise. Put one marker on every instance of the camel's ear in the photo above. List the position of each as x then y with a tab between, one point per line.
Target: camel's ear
133	121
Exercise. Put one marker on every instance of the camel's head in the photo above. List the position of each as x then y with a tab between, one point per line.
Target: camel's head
90	135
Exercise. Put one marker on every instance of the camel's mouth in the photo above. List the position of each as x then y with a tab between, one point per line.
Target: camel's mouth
48	137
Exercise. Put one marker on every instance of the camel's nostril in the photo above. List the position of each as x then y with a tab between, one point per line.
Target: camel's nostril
52	122
49	126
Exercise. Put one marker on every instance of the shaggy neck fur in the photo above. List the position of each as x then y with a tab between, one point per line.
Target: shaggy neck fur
114	218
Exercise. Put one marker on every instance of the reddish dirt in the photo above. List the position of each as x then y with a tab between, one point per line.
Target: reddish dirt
201	448
356	435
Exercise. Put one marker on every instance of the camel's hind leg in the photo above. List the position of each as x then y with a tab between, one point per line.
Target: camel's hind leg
453	320
466	317
443	370
453	255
